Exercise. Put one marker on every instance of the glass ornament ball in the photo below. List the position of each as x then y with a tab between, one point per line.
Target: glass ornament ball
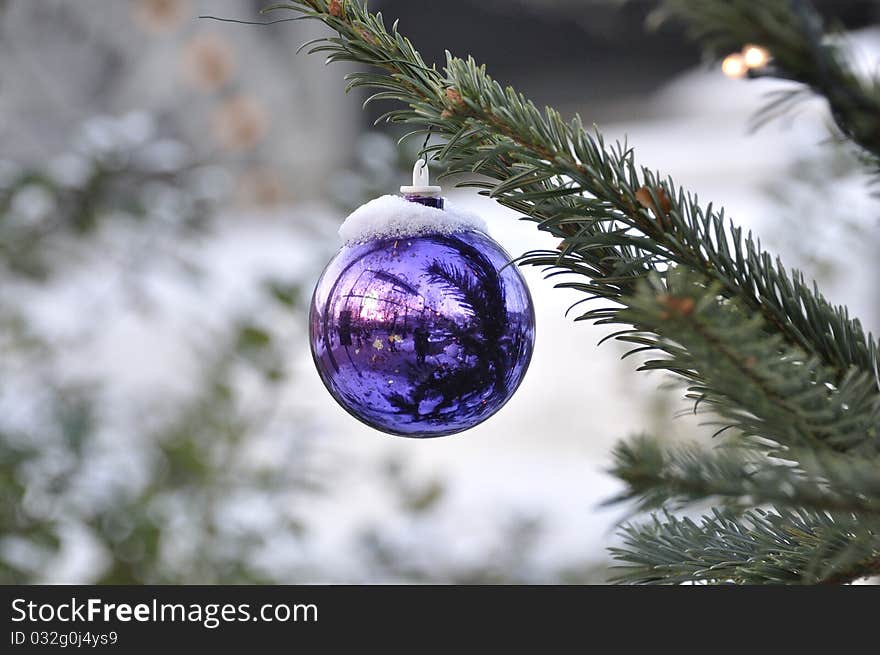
423	335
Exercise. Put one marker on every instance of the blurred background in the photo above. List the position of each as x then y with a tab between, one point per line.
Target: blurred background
170	189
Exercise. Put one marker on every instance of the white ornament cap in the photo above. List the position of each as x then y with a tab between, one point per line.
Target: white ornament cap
420	182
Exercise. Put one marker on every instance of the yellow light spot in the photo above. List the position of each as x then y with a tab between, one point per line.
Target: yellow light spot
377	344
755	56
734	66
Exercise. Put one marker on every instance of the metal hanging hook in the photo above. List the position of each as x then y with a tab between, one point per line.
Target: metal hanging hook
427	138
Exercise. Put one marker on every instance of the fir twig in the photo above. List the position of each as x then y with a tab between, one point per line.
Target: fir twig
658	475
618	221
746	374
758	547
802	49
764	349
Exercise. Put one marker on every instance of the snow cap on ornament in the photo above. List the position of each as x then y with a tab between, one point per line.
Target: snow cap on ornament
419	327
420	211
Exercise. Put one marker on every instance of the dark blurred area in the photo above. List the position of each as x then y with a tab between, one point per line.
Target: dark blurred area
591	56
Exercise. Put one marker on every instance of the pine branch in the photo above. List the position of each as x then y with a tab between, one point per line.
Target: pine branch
757	344
758	547
803	51
746	375
618	221
657	475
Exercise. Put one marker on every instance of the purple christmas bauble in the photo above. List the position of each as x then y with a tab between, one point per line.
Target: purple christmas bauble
422	335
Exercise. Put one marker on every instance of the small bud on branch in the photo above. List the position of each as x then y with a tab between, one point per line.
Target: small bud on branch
336	9
675	306
453	96
646	200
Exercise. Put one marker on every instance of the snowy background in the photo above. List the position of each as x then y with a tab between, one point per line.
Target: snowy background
140	313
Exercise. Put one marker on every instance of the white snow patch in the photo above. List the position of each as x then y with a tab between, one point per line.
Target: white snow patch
394	216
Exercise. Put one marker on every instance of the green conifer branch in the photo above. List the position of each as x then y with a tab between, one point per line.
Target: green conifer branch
618	221
747	375
758	547
803	50
767	390
621	224
656	475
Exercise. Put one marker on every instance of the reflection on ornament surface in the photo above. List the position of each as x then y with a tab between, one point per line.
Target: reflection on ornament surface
422	336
